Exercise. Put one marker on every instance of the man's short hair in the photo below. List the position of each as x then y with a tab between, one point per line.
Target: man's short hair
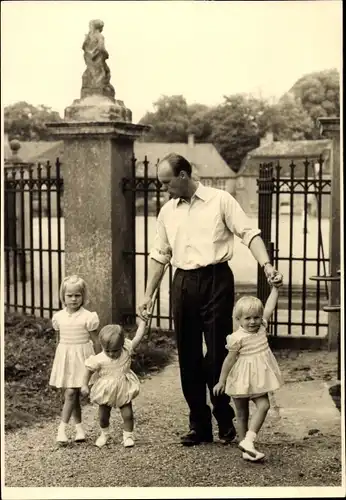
178	163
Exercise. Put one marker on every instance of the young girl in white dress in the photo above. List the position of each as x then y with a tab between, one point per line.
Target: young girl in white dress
115	385
76	329
250	369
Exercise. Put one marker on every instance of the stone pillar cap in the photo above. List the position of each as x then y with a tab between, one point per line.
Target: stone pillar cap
328	124
15	147
74	128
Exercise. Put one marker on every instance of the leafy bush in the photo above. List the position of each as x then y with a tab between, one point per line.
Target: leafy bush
29	351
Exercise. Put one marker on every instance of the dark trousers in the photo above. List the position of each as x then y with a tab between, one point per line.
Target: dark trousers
202	303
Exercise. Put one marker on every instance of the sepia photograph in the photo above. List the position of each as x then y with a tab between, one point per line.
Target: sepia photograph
171	250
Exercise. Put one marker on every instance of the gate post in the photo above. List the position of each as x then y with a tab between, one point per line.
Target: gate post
330	128
98	136
265	184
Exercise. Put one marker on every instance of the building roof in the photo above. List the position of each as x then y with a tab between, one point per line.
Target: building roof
291	149
206	158
285	152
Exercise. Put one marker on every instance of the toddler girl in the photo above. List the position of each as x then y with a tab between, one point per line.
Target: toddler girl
116	385
250	369
77	333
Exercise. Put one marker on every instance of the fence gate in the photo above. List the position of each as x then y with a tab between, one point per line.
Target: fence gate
294	219
144	188
33	237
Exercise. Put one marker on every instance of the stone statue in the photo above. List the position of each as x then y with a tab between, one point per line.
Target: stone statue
97	102
96	77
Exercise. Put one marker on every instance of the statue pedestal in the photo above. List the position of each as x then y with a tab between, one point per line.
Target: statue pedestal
98	215
98	108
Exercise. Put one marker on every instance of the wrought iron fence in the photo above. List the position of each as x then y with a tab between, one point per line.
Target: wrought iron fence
297	244
147	199
300	303
34	240
33	237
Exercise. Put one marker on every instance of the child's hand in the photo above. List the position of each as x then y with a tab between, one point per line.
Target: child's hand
219	388
84	390
277	280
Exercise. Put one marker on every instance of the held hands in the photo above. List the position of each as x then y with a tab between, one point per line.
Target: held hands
144	308
219	388
84	390
273	276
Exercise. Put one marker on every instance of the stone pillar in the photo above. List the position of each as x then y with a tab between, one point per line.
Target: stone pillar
97	156
330	128
98	146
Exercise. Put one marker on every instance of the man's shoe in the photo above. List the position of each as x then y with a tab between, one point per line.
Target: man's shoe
227	436
192	438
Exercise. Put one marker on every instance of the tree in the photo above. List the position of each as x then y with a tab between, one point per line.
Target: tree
173	120
199	122
288	120
27	122
169	121
237	126
319	93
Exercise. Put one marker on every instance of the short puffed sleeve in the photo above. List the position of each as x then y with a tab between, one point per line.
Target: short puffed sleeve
55	321
233	343
92	322
128	346
92	363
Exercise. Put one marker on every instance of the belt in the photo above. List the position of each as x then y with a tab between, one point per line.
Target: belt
205	269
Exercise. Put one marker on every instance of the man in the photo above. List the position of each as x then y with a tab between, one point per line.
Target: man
195	231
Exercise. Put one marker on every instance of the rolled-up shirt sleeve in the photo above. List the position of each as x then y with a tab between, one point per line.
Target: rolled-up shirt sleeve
161	250
237	221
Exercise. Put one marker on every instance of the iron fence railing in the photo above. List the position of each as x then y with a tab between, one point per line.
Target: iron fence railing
33	237
296	244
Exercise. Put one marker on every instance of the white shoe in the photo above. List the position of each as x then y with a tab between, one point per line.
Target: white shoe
61	436
128	440
102	440
259	456
248	447
80	434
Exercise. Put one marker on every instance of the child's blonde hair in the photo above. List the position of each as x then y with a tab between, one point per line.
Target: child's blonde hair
248	303
73	280
111	335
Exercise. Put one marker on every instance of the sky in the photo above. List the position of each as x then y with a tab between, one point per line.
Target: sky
202	50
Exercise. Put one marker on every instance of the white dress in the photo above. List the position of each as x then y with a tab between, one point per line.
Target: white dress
255	371
116	384
74	347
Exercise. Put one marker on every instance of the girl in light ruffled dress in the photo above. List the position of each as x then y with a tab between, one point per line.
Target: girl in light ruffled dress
114	384
76	329
250	370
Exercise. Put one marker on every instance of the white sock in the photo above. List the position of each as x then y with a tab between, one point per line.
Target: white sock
79	426
127	434
62	425
251	436
105	430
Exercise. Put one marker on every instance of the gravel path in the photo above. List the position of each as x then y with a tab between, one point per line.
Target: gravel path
34	460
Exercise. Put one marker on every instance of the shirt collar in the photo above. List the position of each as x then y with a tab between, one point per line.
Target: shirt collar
201	192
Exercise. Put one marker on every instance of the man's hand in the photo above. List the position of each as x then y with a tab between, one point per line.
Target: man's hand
84	390
277	281
144	308
273	276
219	388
